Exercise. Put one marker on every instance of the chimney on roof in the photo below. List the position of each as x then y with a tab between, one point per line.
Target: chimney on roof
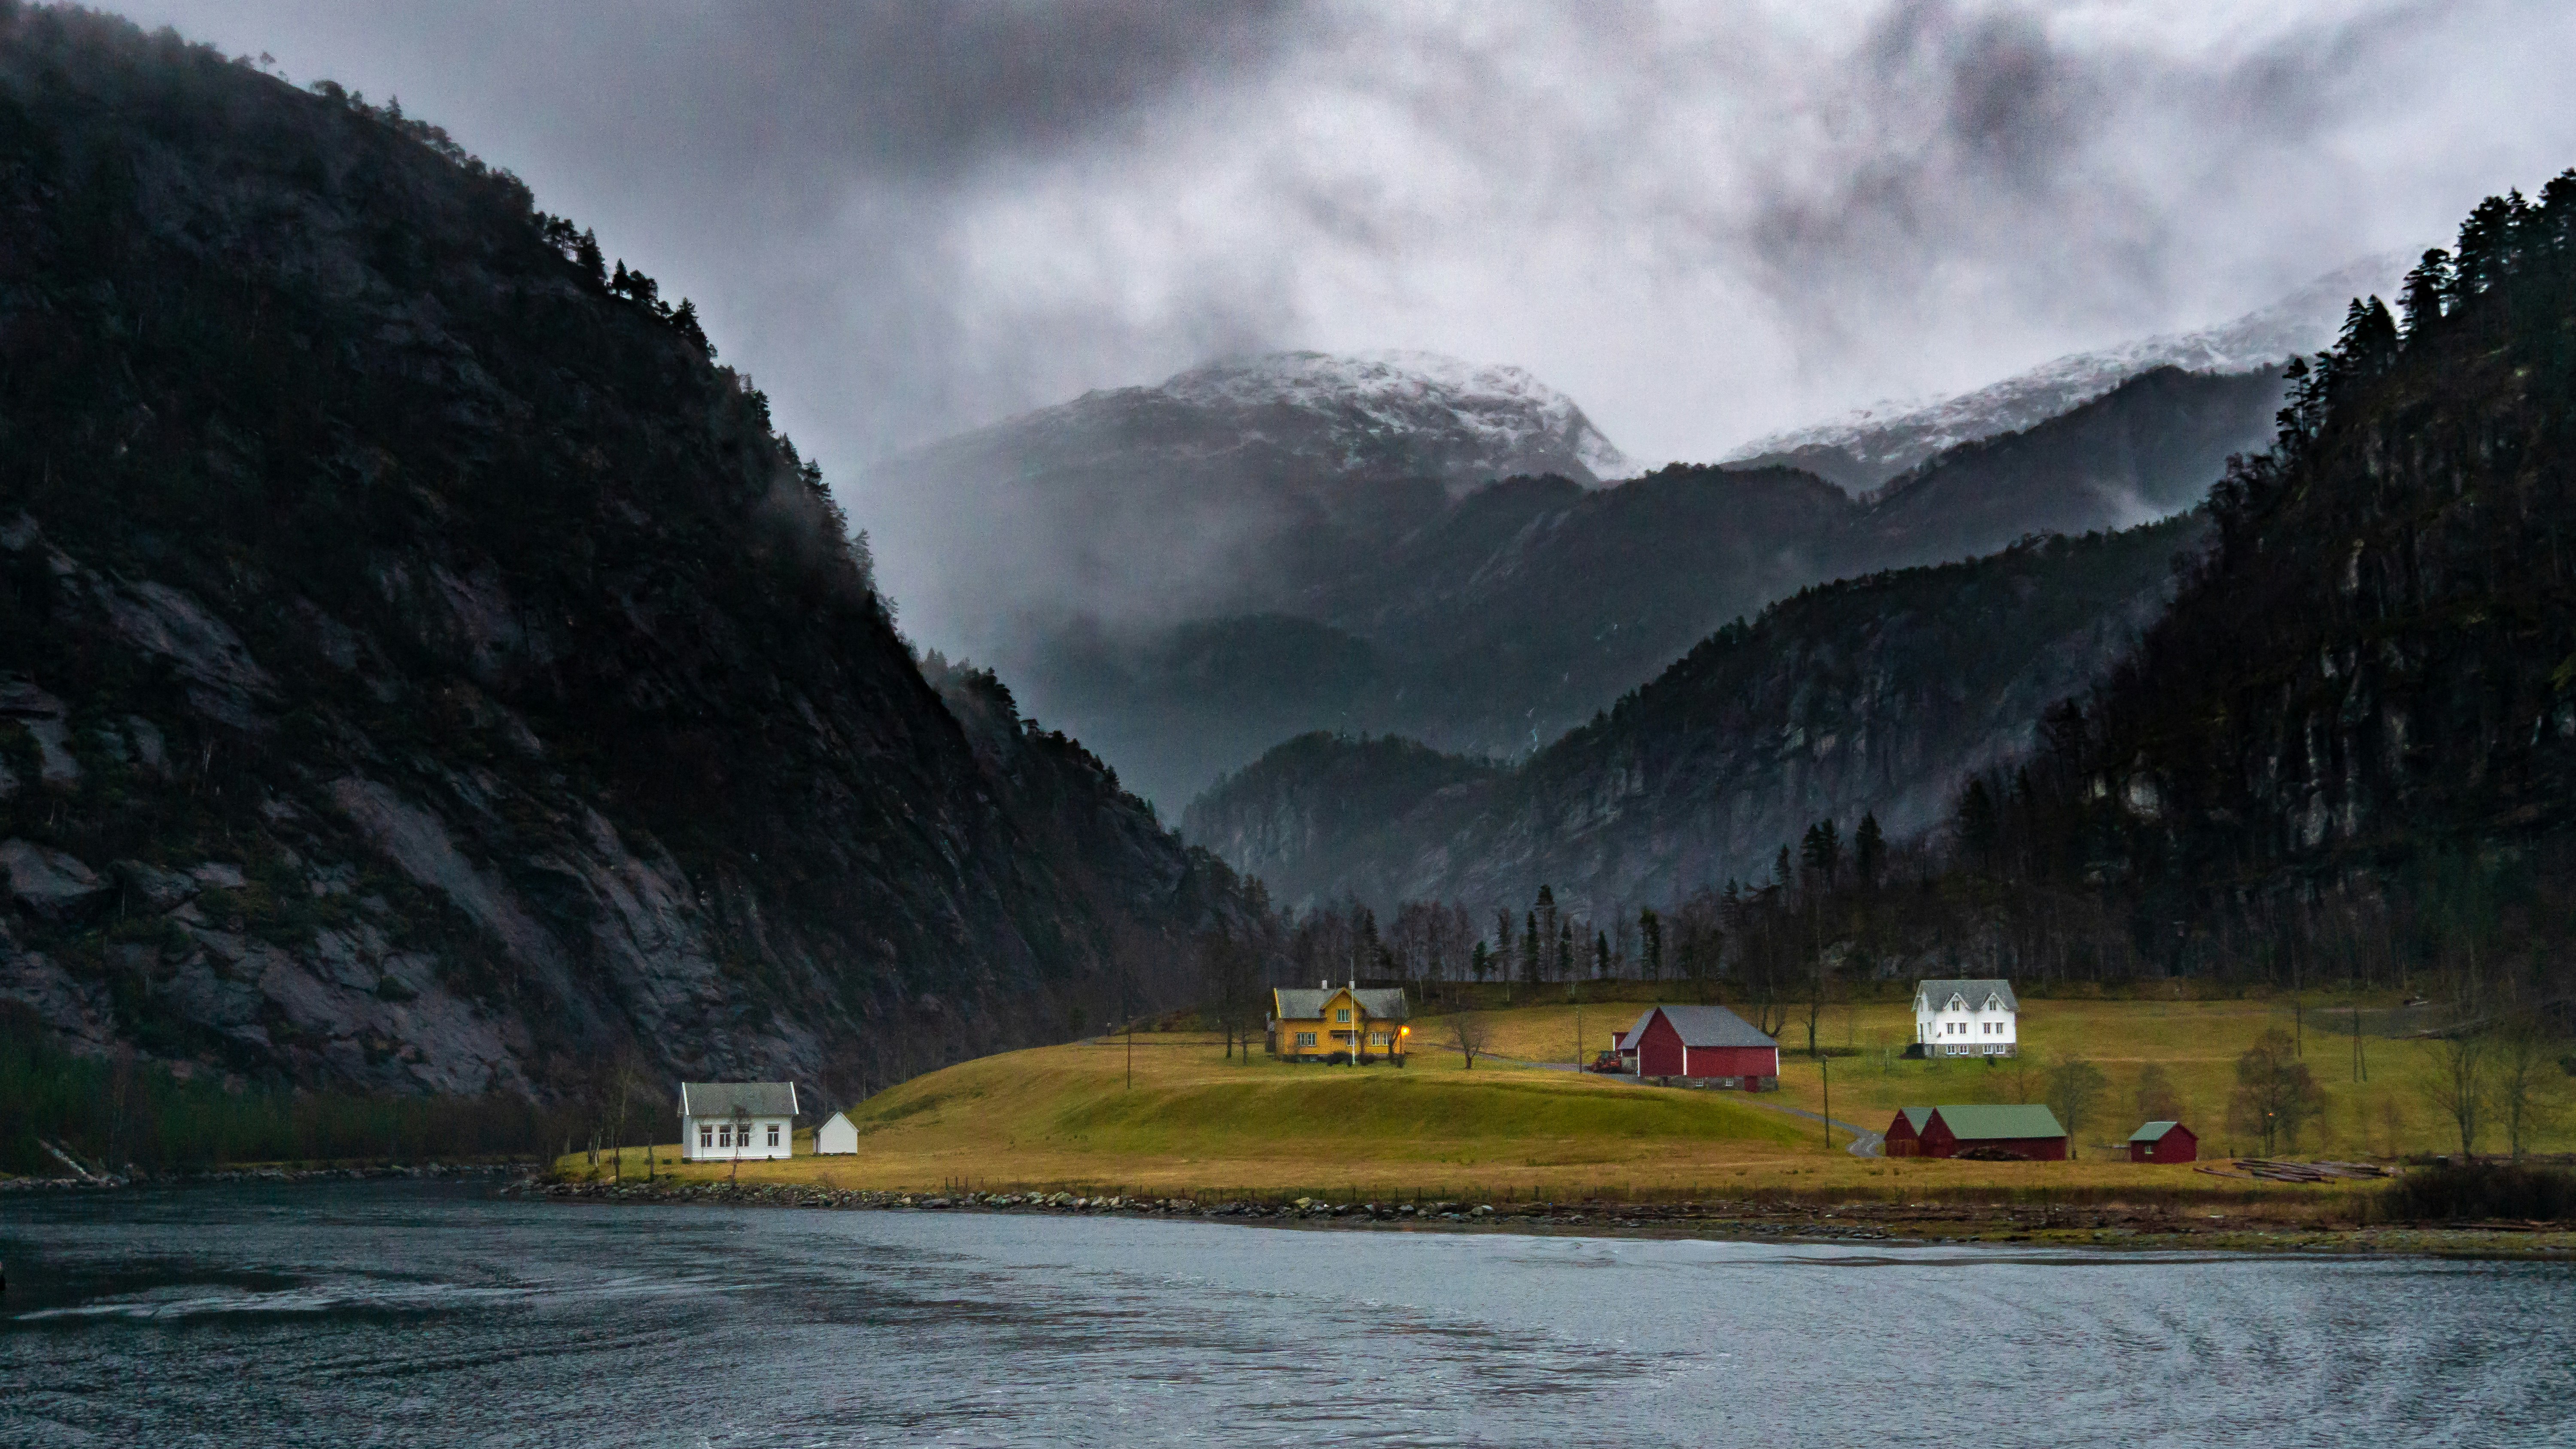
1323	986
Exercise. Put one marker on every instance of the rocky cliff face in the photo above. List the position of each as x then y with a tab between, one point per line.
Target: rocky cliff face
1879	694
423	668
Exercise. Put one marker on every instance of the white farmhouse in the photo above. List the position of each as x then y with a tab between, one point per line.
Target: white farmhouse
838	1136
720	1121
1967	1019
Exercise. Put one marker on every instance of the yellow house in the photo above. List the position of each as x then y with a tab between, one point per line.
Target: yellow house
1334	1021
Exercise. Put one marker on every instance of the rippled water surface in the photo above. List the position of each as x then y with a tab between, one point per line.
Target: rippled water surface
405	1314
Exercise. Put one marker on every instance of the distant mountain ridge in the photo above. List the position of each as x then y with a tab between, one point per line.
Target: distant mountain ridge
1863	451
1876	694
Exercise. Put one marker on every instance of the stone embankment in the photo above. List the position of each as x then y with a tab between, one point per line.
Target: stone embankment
260	1174
2057	1225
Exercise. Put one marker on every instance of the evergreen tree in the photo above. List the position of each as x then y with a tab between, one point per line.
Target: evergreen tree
1480	962
1601	955
1822	850
1980	830
2426	286
1532	947
1869	851
1565	950
1650	944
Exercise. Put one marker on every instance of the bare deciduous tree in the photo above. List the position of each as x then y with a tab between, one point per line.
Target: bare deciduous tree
1469	1032
2276	1095
2074	1085
2526	1072
2455	1082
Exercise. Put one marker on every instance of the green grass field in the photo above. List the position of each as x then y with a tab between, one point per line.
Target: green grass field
1194	1121
2195	1042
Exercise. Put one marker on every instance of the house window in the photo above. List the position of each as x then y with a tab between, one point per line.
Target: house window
706	1135
1305	1038
1343	1016
724	1135
773	1134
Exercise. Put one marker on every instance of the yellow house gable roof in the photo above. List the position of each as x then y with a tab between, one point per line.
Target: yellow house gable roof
1299	1004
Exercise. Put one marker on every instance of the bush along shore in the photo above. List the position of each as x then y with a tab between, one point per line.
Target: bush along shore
2352	1222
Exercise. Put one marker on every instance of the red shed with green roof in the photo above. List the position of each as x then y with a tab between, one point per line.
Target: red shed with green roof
2023	1130
2164	1142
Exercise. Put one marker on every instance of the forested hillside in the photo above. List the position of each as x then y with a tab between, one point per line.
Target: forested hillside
424	668
1881	694
2349	744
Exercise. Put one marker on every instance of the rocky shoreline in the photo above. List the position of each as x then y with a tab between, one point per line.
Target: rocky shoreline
215	1176
1894	1224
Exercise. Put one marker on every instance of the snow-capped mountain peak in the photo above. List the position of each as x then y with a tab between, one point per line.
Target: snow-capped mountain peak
1498	419
1873	444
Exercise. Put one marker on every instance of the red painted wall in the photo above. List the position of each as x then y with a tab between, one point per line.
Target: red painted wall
1938	1141
1733	1061
2179	1145
1659	1049
1901	1141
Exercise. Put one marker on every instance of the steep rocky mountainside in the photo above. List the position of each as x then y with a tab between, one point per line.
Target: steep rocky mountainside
2374	673
1863	452
1879	694
423	668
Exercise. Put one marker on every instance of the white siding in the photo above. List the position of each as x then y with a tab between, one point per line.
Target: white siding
1950	1027
711	1139
836	1136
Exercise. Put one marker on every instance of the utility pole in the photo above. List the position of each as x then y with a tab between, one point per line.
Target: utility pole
1578	1034
1131	1054
1826	1065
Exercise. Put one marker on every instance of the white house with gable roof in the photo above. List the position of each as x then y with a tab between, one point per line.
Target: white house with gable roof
720	1121
1978	1018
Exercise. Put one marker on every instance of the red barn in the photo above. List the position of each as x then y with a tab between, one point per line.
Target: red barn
2164	1142
1704	1044
2028	1130
1905	1134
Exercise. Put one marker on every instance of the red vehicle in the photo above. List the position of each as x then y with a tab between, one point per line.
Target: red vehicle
1606	1062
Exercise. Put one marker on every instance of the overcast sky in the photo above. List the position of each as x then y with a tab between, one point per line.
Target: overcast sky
1704	222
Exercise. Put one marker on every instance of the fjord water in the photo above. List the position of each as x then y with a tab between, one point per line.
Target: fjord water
438	1314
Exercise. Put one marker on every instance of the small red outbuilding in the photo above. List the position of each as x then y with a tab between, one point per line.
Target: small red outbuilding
2025	1130
1905	1134
2164	1142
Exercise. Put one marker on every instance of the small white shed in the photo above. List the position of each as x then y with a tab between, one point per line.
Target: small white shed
838	1136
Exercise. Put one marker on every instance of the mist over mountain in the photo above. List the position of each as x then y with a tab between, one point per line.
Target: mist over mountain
1878	694
424	668
1252	552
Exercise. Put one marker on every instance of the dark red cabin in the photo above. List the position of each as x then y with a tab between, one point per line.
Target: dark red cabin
2164	1142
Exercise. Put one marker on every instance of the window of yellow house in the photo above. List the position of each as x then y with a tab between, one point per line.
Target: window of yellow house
1305	1038
1343	1015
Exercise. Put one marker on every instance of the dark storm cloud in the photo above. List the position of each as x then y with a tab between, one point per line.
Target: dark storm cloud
1703	220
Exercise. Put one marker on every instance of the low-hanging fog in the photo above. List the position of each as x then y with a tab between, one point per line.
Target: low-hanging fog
1702	221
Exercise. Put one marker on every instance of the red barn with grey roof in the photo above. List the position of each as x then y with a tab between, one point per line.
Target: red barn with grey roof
1703	1043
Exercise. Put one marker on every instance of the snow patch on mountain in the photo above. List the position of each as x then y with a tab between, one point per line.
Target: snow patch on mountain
1508	420
1876	443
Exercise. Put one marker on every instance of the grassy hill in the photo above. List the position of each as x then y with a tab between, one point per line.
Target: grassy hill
1195	1122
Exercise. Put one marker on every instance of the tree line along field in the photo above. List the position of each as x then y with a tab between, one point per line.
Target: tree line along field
1197	1121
